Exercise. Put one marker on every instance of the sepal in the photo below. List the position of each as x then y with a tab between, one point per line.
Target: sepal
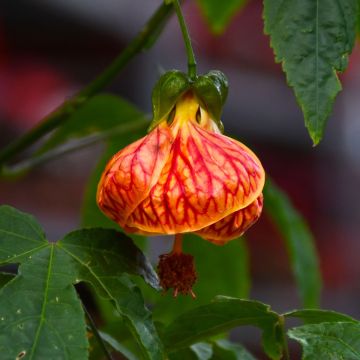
211	90
166	92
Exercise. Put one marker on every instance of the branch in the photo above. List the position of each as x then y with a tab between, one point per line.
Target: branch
143	40
22	167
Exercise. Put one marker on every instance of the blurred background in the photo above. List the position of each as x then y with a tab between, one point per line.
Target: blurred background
51	49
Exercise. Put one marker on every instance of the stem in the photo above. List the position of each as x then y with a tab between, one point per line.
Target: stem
143	40
177	248
23	166
187	41
283	337
97	335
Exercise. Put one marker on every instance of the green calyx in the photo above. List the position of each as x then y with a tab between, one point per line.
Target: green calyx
210	89
169	88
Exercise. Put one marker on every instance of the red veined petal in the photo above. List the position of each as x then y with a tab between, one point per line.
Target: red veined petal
182	177
233	225
131	173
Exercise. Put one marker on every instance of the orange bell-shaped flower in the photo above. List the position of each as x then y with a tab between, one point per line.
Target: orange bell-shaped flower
184	177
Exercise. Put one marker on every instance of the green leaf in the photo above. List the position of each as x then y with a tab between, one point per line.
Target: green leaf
226	350
166	92
219	13
223	270
218	350
5	278
212	89
117	346
220	316
181	354
20	235
312	39
100	113
312	316
220	269
203	350
100	257
40	313
299	242
100	252
117	335
199	351
40	310
338	340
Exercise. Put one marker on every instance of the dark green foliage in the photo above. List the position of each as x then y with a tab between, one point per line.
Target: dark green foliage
40	309
312	39
41	315
337	340
221	315
299	243
312	316
225	350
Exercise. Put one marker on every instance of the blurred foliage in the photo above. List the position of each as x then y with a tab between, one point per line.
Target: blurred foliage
219	13
102	113
298	241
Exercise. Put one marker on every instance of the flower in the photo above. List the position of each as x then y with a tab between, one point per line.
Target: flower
184	176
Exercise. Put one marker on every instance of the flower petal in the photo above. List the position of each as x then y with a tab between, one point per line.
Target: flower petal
233	225
207	177
131	173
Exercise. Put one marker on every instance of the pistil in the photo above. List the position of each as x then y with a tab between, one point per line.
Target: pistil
177	270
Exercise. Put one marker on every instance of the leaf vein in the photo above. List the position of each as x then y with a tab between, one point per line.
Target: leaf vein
9	260
43	307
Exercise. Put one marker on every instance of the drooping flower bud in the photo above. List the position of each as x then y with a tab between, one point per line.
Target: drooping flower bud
184	176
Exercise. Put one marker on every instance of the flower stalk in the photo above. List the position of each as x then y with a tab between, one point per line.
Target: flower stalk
187	41
177	248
